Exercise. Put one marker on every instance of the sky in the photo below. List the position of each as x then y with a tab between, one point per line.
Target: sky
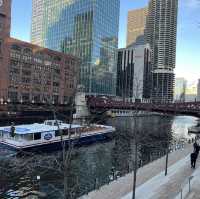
188	34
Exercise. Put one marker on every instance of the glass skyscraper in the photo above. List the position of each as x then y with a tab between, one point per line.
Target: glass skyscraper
87	29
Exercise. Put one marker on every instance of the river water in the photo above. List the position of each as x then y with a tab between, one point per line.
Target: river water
95	165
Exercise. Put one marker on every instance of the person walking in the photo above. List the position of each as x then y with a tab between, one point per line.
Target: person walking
195	145
193	158
196	148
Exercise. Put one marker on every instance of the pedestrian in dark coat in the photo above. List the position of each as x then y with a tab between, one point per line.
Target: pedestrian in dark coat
195	145
193	157
197	150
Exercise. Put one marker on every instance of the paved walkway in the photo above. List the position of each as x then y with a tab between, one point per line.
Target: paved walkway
194	188
151	182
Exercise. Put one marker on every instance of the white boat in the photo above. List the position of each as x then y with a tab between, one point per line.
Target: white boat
194	129
51	134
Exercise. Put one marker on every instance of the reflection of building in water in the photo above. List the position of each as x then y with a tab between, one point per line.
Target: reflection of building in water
87	29
151	140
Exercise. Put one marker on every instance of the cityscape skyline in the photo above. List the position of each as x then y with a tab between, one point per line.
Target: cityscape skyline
187	44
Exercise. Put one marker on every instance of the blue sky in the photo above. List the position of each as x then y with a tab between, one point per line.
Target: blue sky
188	37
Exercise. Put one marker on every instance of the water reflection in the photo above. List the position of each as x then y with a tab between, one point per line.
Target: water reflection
94	165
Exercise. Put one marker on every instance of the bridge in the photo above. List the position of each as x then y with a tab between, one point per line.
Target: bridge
96	105
102	104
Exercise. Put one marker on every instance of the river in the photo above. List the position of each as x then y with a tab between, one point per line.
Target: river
95	165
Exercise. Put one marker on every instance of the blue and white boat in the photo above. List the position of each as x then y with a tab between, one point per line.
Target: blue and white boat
51	134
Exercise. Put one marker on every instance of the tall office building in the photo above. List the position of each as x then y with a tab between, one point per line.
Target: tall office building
198	90
37	22
5	16
87	29
136	24
134	73
161	29
180	89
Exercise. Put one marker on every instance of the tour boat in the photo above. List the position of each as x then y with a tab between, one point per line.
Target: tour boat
194	130
51	134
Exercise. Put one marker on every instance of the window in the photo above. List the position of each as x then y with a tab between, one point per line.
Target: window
1	26
37	136
1	44
25	97
57	133
16	48
26	72
57	58
27	51
13	96
63	132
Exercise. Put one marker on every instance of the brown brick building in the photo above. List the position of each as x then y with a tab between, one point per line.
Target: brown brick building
136	24
29	73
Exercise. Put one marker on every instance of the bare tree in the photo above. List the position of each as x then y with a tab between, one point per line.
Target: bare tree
139	140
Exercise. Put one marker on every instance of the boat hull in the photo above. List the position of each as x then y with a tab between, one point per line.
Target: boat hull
55	146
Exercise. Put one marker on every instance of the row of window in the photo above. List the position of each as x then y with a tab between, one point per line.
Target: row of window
15	96
38	56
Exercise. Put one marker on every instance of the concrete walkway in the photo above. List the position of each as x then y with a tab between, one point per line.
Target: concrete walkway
151	182
194	187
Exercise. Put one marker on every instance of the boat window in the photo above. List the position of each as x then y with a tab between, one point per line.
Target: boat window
65	131
37	136
57	133
49	123
72	131
28	137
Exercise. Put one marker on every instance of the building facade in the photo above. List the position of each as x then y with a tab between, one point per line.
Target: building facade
89	30
134	73
198	90
136	24
37	21
32	74
5	16
160	33
180	89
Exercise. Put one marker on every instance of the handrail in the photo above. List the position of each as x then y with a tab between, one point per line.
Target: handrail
187	181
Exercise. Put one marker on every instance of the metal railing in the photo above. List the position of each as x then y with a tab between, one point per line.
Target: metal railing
187	181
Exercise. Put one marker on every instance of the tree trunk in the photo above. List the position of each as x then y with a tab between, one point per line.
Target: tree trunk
135	171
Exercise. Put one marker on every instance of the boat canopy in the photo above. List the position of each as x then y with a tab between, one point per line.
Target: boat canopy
36	128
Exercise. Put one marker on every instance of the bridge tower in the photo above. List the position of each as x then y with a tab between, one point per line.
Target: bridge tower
82	112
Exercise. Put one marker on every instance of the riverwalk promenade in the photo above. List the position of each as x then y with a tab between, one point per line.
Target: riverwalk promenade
153	184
